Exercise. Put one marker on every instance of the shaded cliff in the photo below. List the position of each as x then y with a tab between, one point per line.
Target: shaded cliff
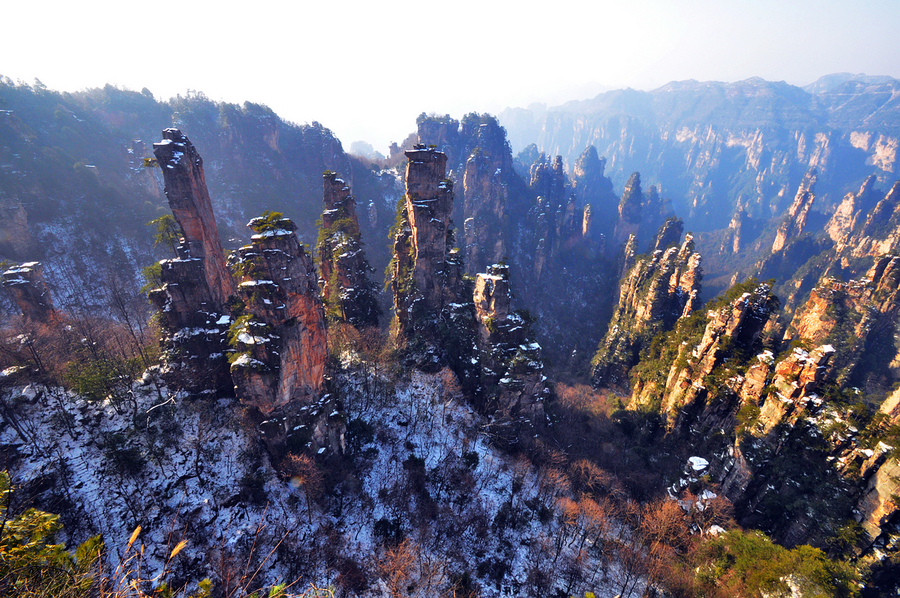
196	285
347	292
512	372
29	291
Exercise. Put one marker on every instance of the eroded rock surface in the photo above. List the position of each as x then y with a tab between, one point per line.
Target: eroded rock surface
347	292
280	341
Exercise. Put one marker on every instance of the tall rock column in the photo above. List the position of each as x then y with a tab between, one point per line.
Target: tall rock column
426	272
512	371
654	295
795	221
486	197
197	284
280	341
347	292
182	168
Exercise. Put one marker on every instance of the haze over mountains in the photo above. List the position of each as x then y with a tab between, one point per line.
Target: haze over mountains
570	349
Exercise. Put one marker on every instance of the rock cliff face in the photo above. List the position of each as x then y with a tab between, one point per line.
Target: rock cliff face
794	223
512	372
880	232
591	184
15	236
848	213
778	429
858	318
426	273
196	284
655	293
280	342
189	200
347	292
684	381
717	145
486	196
26	284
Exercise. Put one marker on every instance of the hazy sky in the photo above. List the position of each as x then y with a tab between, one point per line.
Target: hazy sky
367	69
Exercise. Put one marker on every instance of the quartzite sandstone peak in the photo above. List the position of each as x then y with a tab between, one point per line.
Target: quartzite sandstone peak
512	371
794	223
347	292
657	291
426	272
196	284
281	342
189	200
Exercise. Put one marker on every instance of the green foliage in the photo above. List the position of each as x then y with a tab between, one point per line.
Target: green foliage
750	563
31	565
168	232
269	220
152	276
125	458
747	417
98	378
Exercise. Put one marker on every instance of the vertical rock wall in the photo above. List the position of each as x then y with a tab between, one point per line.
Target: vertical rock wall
182	168
280	341
347	292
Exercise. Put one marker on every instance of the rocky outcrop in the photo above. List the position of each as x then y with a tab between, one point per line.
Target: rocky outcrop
28	289
668	235
793	225
654	294
486	195
848	213
280	341
188	197
15	236
630	209
880	233
684	387
858	318
512	372
193	328
796	379
347	292
594	188
196	284
426	272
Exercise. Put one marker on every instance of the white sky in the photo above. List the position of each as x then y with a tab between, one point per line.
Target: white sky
367	69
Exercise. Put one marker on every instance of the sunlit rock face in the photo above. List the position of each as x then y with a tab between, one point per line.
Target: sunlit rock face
347	293
280	340
858	318
188	197
654	294
426	273
29	291
795	222
196	284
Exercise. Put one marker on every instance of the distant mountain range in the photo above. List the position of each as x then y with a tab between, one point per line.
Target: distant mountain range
714	148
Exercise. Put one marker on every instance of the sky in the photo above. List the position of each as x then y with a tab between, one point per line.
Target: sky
367	69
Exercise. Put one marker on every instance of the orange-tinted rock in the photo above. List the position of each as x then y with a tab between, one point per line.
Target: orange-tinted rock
654	294
282	342
426	273
794	223
182	168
